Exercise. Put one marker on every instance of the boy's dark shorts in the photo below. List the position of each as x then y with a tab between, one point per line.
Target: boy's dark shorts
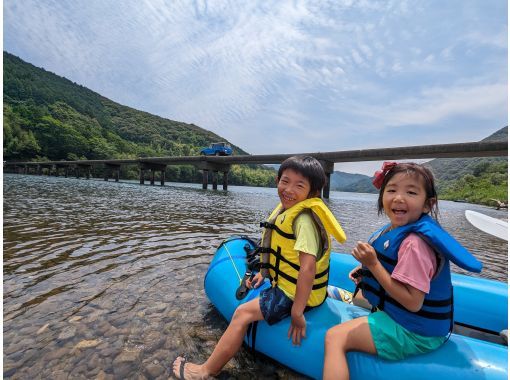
274	305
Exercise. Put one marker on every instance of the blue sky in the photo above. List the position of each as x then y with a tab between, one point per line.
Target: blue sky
284	76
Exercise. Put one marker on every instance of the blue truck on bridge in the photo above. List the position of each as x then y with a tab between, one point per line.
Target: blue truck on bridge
217	149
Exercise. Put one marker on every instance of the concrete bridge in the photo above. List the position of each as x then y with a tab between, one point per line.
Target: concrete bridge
216	164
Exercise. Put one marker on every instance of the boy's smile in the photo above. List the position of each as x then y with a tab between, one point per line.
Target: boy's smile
292	188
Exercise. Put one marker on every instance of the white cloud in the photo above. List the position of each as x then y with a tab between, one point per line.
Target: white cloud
281	68
434	106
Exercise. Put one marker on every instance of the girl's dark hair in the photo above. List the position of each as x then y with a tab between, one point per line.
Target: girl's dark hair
309	168
411	168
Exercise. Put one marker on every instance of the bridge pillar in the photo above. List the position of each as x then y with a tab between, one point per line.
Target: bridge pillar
153	167
215	180
205	175
328	167
61	166
225	180
111	170
215	167
39	170
45	166
86	168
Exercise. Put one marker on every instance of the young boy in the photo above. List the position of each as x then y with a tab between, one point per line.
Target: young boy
297	239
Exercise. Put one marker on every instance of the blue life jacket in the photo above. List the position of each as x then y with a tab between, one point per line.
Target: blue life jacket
435	318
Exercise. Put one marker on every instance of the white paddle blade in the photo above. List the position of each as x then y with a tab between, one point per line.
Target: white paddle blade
488	224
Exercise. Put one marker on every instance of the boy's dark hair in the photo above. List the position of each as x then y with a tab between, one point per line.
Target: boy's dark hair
310	168
411	168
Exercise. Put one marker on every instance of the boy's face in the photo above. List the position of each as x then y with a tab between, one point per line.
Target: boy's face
292	188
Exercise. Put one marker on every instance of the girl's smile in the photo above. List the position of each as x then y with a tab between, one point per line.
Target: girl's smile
405	199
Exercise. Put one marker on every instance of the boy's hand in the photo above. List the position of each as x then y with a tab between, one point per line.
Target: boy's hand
255	281
365	254
297	329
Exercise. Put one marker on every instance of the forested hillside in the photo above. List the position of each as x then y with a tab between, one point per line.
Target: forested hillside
475	180
446	169
48	117
355	183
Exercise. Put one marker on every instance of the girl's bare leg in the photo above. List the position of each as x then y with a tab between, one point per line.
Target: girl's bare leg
227	346
353	335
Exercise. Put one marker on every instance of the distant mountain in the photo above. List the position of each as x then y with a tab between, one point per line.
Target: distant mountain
48	117
448	169
484	179
476	180
357	183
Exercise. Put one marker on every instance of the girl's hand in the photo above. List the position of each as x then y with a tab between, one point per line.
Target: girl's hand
353	277
297	329
365	254
255	281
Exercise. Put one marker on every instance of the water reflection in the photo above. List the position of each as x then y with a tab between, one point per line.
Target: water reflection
105	279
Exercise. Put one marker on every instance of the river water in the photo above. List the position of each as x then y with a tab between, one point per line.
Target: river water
105	280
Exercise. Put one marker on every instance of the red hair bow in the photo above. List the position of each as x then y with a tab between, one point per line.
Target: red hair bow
380	174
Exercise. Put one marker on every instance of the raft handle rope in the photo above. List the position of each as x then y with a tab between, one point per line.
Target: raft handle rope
234	264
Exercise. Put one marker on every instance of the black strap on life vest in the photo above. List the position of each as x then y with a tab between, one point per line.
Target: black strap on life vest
451	314
274	227
386	259
422	313
277	265
288	277
265	250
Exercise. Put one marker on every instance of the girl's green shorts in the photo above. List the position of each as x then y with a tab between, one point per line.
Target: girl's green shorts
394	342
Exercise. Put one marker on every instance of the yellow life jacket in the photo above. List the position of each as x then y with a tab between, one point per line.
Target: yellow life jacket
280	260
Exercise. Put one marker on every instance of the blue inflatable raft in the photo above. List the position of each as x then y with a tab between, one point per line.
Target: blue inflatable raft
480	311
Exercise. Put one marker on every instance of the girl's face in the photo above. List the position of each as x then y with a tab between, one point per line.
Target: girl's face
405	199
292	188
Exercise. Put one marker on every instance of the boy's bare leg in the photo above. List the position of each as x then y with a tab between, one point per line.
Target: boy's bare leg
353	335
227	346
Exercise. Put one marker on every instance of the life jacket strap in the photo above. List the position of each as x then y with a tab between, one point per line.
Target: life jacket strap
386	259
279	256
274	227
276	268
422	313
293	280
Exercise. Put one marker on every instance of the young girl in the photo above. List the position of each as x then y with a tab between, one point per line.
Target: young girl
297	248
404	275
